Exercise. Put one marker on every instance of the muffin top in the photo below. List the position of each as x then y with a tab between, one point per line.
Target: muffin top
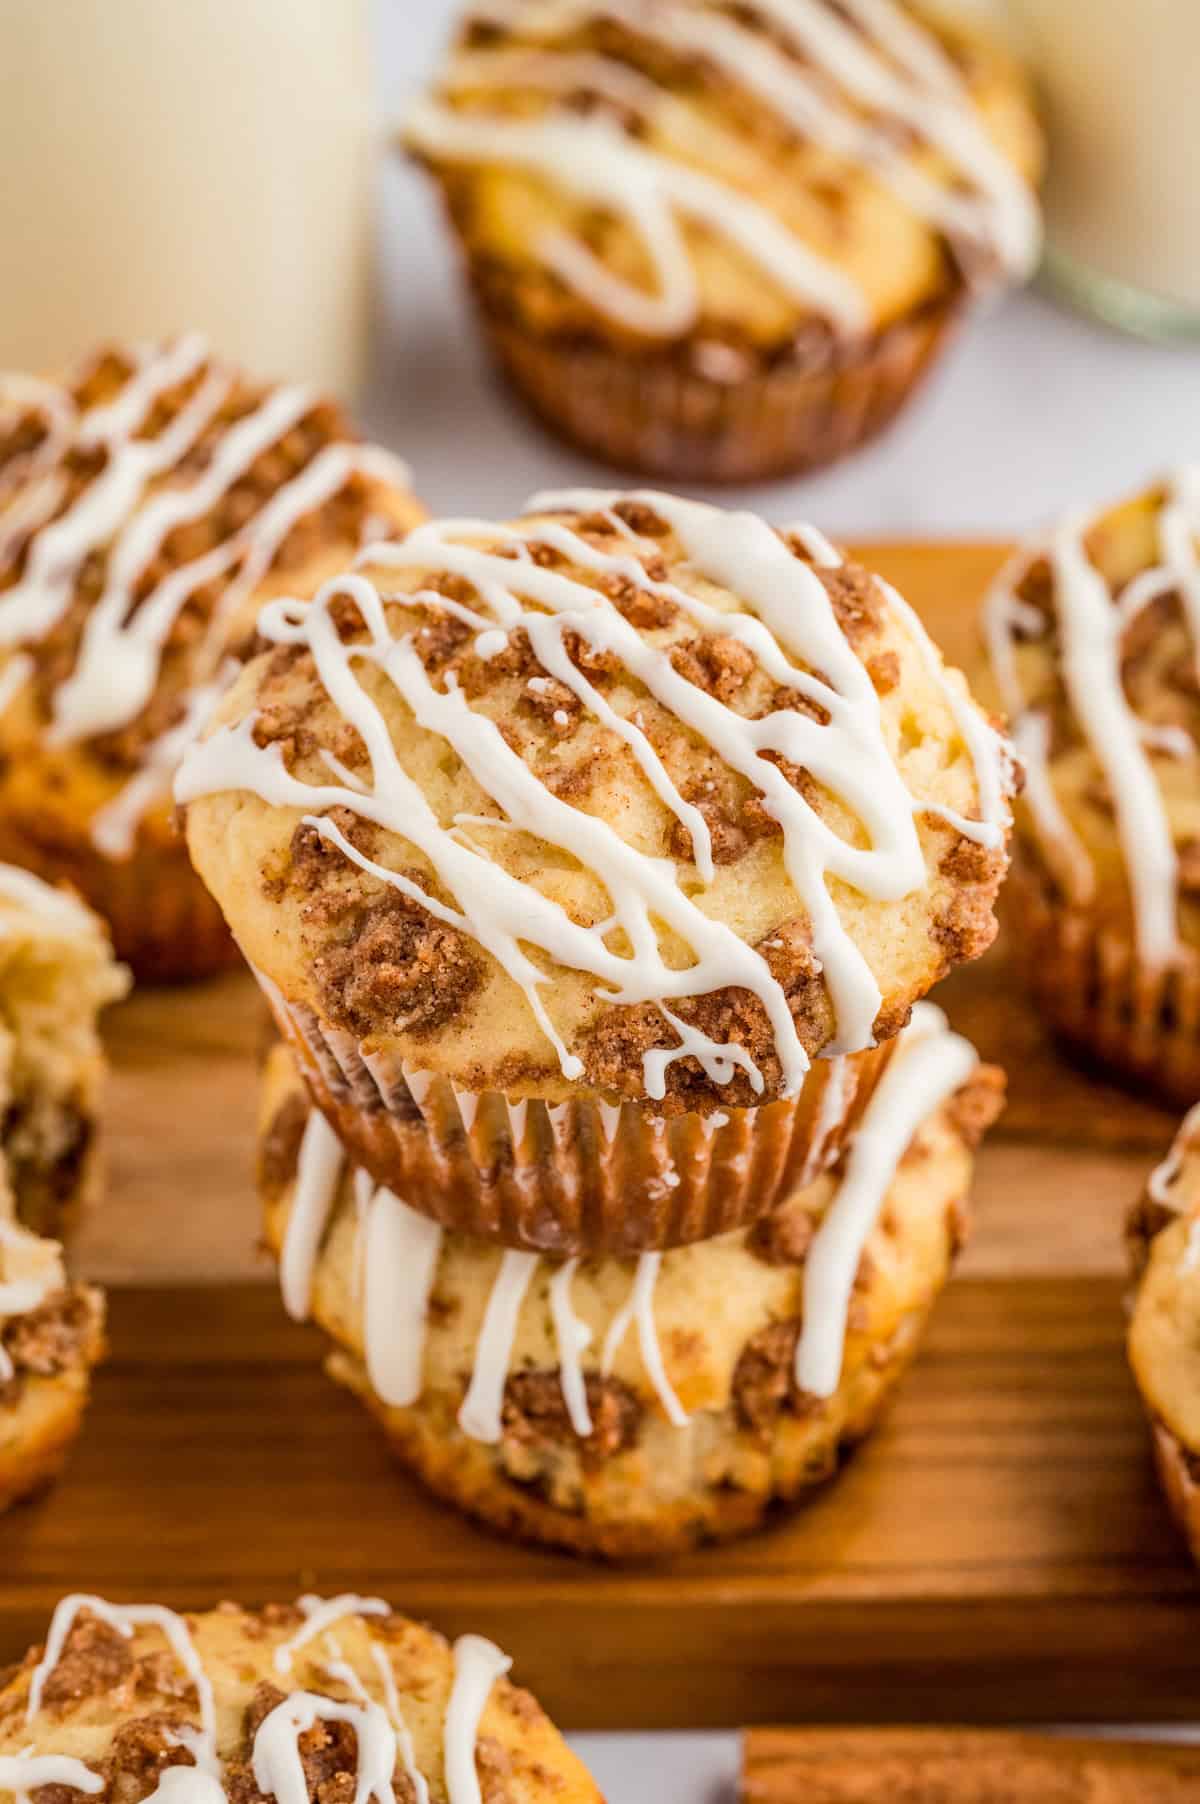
301	1703
1094	639
633	792
1164	1333
768	179
598	1345
148	503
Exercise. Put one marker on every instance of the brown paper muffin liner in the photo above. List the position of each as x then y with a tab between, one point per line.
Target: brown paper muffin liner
1141	1026
164	923
802	1458
656	415
574	1177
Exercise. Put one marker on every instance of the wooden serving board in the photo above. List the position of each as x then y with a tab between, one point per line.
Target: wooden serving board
998	1552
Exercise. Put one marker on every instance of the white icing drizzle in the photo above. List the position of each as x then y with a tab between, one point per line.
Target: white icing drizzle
22	1773
125	1618
1090	623
276	1763
834	1098
317	1176
401	1253
123	641
53	907
1161	1183
1064	851
848	100
788	615
640	1309
320	1615
404	1740
480	1413
573	1337
20	1295
929	1065
477	1666
114	827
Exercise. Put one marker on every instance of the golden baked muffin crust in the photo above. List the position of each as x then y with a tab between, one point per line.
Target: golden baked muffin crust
148	502
632	801
1094	633
631	1408
720	241
304	1703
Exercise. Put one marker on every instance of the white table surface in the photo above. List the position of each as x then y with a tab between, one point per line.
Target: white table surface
1034	410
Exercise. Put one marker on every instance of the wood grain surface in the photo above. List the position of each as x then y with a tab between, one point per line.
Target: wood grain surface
901	1766
997	1553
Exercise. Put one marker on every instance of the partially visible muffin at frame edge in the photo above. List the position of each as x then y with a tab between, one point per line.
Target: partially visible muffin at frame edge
719	243
1094	637
149	501
564	847
57	973
634	1408
335	1696
1164	1327
51	1338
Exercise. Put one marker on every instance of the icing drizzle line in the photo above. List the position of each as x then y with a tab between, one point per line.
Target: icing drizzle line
888	69
788	624
123	641
383	1738
1091	621
929	1065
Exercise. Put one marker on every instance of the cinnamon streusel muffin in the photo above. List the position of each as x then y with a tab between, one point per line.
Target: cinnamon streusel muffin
573	854
628	1409
149	502
51	1336
56	973
1164	1328
1093	633
719	242
329	1698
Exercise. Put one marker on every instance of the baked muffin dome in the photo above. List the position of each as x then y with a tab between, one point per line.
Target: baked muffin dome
51	1336
1164	1327
296	1702
711	241
631	1408
632	801
149	502
1094	637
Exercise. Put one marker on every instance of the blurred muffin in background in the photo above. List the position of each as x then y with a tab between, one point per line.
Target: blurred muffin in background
629	1408
590	861
1094	639
716	242
149	502
1164	1325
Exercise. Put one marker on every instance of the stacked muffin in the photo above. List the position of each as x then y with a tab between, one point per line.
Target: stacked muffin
718	242
592	864
149	502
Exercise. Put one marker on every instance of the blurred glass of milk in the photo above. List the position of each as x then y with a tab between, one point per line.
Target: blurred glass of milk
1120	82
175	164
